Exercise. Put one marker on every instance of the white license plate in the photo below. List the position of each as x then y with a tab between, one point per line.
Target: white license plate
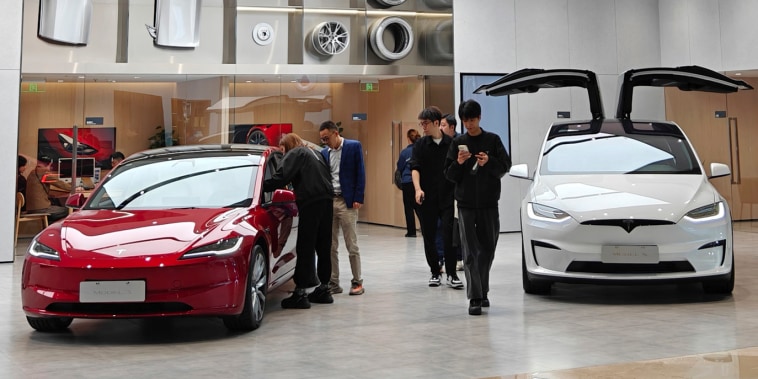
112	291
630	254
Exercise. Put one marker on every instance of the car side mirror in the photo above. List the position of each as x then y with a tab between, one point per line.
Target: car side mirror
75	200
281	196
718	170
520	171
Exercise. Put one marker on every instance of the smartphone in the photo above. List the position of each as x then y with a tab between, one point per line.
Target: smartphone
462	148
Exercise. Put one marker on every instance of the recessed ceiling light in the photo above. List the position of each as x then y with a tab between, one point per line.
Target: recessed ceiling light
738	73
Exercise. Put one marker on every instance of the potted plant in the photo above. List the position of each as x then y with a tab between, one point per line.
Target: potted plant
159	138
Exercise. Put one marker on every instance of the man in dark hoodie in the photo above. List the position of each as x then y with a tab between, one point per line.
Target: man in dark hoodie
476	161
311	180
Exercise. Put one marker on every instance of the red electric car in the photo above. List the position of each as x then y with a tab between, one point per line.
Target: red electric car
184	230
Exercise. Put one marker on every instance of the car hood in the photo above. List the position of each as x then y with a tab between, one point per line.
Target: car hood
90	234
605	197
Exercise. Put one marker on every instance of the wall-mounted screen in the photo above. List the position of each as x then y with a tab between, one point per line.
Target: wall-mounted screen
85	168
495	109
96	143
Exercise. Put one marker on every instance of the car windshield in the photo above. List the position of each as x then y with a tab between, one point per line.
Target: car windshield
191	182
602	153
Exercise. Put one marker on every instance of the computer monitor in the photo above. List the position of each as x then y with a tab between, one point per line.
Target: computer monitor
85	168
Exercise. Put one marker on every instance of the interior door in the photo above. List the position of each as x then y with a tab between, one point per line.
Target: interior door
723	140
743	154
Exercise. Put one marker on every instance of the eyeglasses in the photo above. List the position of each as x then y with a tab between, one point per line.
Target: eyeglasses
424	123
325	139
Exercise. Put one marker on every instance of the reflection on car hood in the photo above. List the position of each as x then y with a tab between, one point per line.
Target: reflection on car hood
91	234
598	197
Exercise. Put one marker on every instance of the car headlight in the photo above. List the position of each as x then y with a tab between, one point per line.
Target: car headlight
705	213
545	213
40	250
222	247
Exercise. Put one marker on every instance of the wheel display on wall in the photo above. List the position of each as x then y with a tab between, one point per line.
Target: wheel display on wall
390	3
439	4
263	34
330	38
400	30
440	41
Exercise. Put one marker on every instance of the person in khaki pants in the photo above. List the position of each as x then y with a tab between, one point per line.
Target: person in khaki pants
345	159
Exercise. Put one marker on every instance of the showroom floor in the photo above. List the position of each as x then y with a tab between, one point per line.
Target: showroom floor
401	328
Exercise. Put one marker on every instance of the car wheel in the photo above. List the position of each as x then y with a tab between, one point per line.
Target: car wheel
255	295
721	287
533	286
257	137
49	324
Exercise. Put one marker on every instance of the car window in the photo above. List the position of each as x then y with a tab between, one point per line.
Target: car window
197	182
602	153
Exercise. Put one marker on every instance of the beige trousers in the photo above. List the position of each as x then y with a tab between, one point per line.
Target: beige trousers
346	219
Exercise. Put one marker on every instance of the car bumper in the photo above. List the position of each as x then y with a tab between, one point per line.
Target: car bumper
208	287
572	252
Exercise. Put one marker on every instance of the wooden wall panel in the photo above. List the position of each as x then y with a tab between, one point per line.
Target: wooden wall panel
716	141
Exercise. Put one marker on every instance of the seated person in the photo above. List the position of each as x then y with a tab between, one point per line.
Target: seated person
116	158
38	191
20	178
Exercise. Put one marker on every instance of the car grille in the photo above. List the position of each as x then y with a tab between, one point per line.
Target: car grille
627	268
628	224
119	308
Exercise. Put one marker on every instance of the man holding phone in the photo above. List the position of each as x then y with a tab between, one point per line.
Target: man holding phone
476	161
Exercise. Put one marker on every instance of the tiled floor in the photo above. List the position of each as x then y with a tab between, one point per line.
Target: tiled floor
401	328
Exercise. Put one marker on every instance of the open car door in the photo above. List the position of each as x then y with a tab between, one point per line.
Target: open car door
532	80
686	78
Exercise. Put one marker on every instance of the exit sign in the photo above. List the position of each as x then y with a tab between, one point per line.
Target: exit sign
369	87
33	87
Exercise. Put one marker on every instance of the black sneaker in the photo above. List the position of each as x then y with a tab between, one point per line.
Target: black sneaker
475	307
298	300
321	295
454	282
485	302
435	281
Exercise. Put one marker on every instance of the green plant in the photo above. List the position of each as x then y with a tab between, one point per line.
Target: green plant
159	138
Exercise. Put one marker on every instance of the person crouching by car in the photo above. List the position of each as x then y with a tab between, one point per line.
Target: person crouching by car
306	169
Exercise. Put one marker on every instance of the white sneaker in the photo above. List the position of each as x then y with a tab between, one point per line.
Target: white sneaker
434	281
454	282
459	266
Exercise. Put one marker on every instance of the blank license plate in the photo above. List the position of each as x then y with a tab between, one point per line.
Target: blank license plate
112	291
630	254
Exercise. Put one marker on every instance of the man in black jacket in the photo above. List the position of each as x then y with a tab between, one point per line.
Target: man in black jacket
476	161
434	194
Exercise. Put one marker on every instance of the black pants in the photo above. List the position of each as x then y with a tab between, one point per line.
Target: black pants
410	207
479	229
314	234
430	212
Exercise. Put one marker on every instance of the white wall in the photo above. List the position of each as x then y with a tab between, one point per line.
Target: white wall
10	74
607	37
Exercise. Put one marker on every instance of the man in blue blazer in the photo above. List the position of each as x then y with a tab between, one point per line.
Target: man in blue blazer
345	159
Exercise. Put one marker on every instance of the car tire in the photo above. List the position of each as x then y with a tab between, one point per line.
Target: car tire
255	295
533	286
722	286
49	324
257	137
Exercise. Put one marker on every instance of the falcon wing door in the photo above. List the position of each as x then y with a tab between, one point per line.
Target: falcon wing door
532	80
686	78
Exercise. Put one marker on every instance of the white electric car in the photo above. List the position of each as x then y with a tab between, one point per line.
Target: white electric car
620	200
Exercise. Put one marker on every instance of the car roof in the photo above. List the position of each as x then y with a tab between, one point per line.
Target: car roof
615	127
199	150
